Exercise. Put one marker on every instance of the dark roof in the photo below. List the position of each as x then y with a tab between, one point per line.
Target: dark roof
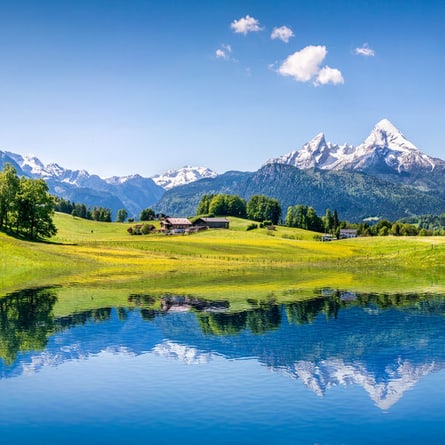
222	220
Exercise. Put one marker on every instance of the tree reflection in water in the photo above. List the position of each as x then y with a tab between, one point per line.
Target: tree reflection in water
27	320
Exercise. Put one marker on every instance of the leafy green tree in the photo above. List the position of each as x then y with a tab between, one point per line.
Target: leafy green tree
80	210
396	229
147	215
261	208
314	222
289	220
336	220
34	209
384	231
223	205
147	228
218	205
236	206
63	206
304	217
204	204
122	215
9	186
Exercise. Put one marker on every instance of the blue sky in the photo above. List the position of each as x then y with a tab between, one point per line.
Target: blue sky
139	86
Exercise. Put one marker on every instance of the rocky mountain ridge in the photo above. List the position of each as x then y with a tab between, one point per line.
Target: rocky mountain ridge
385	150
133	192
386	176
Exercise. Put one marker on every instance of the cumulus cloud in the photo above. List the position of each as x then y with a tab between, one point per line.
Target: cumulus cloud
329	75
305	66
365	50
223	52
282	33
245	25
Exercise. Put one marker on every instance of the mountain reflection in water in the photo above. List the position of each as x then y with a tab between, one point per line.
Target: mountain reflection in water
384	343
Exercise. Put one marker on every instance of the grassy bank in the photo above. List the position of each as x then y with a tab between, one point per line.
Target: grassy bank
219	263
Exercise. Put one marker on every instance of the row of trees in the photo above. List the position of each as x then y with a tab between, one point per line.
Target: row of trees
81	210
395	228
26	207
305	217
258	208
262	208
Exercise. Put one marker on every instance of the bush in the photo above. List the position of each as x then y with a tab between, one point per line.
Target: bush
147	228
252	226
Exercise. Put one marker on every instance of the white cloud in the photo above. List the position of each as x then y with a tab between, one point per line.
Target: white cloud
245	25
305	66
364	51
329	75
223	52
283	33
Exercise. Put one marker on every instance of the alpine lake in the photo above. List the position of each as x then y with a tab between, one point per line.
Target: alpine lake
335	367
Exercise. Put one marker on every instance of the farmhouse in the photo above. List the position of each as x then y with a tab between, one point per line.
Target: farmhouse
212	223
175	224
348	233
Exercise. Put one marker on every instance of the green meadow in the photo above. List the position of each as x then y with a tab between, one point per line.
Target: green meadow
235	264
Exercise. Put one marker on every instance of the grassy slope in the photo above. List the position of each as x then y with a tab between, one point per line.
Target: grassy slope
219	263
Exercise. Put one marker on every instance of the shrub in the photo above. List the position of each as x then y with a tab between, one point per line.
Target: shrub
252	226
147	228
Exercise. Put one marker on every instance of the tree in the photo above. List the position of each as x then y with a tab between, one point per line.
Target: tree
122	215
304	217
261	208
147	215
147	228
204	204
9	186
222	205
218	205
329	222
236	206
34	209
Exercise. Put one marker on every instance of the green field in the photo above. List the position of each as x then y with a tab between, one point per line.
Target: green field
229	264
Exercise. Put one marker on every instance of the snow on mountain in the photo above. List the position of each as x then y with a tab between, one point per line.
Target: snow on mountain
384	391
117	180
187	354
182	176
386	144
28	163
385	150
316	154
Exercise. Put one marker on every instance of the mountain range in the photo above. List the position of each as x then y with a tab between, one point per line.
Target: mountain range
133	193
386	176
385	151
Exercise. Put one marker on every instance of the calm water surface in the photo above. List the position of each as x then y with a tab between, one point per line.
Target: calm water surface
341	368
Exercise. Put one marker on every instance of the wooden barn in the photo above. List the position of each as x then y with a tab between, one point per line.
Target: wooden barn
212	223
169	224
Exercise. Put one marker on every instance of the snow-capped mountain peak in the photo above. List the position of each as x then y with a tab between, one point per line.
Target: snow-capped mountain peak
385	150
28	163
182	176
317	143
385	134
